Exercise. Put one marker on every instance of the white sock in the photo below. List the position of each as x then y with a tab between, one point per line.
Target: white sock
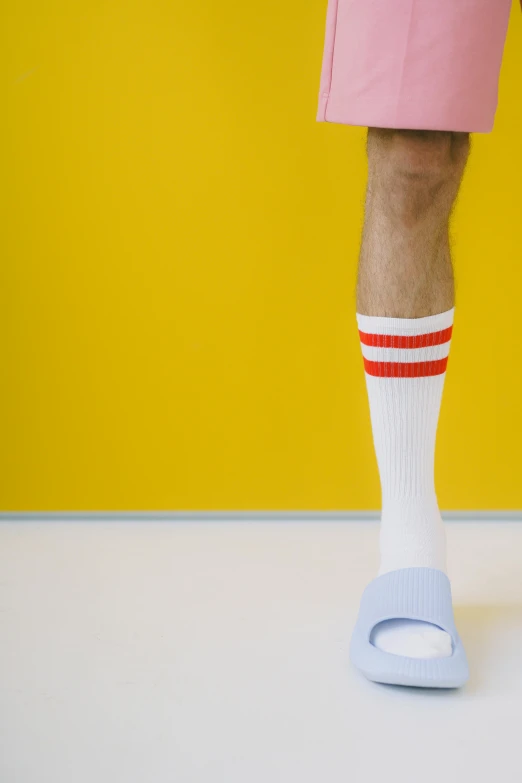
405	367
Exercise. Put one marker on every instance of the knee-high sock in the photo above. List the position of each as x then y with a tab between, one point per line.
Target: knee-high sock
405	366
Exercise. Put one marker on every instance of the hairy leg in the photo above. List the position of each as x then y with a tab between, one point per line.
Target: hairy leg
405	268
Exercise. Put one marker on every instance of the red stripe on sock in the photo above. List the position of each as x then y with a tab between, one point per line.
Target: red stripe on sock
405	369
406	341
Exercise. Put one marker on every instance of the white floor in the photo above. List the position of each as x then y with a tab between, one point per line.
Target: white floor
210	652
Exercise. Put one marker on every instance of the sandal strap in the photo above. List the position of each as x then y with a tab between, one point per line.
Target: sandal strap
408	593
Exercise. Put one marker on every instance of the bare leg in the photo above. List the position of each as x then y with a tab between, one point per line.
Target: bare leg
405	268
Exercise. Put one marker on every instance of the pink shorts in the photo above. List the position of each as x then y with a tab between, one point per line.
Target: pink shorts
417	64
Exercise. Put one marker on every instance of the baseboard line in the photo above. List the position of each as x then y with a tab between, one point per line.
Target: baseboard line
244	516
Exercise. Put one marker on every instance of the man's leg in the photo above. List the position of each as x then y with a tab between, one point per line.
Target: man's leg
405	305
405	268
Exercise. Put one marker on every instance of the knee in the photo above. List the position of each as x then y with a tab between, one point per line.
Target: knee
416	174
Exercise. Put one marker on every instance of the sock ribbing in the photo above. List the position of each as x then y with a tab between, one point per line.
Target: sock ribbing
405	362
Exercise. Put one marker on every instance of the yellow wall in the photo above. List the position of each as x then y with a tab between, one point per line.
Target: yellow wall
179	246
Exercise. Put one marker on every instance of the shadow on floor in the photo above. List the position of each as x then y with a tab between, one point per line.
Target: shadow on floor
492	637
